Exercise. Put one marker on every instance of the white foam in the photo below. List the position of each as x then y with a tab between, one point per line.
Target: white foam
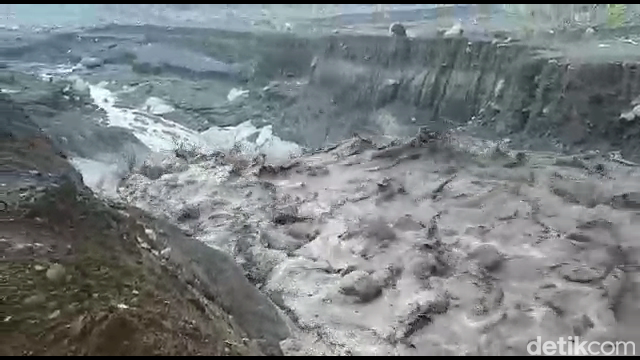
101	177
160	134
252	140
157	106
156	132
9	91
80	85
236	93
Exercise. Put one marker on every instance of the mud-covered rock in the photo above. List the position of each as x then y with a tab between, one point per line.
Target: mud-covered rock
260	262
188	213
152	172
379	231
289	244
487	256
91	62
56	272
397	29
580	273
288	214
361	285
429	265
407	223
630	201
422	314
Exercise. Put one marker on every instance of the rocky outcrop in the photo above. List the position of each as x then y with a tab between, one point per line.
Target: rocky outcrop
542	94
510	89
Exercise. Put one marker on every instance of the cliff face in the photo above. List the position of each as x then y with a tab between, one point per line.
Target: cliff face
571	91
509	89
568	87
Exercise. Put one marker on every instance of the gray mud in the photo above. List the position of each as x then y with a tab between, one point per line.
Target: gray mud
435	246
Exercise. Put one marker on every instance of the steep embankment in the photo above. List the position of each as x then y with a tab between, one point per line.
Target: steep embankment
573	90
534	95
568	88
87	278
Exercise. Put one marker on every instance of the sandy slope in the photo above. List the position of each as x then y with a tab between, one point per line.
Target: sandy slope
423	249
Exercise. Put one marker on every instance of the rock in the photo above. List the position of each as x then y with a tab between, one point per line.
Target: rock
422	313
91	62
397	29
588	193
287	215
188	213
143	244
596	224
39	268
487	256
54	315
260	262
277	241
152	172
222	280
629	201
379	231
35	300
56	272
407	223
429	266
165	253
314	64
631	115
302	231
579	237
361	285
454	31
580	273
559	301
317	170
388	276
